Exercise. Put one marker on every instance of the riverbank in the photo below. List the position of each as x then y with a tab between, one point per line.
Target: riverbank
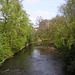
33	60
17	52
13	54
50	49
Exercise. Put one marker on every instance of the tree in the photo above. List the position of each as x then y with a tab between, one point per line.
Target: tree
68	10
38	20
15	27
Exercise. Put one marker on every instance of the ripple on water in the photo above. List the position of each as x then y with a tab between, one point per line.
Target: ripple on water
33	62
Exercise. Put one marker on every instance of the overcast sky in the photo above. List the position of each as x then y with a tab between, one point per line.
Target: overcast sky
45	8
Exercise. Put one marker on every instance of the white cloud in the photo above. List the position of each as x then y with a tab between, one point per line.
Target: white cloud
43	14
31	1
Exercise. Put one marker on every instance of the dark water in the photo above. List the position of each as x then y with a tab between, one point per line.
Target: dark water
33	61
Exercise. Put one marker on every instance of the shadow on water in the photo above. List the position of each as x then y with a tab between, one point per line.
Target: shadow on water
33	61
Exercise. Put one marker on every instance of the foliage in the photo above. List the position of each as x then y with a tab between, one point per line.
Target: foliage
15	27
68	9
62	33
1	53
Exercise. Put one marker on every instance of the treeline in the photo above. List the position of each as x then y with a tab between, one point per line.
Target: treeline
61	32
15	28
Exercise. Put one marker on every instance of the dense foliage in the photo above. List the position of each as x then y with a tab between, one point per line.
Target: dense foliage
62	33
15	30
15	27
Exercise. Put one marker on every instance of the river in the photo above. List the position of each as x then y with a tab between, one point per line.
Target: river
33	61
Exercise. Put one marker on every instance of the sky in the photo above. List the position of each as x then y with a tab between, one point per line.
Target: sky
47	9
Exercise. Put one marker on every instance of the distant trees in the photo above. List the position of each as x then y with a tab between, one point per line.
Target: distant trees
38	20
15	28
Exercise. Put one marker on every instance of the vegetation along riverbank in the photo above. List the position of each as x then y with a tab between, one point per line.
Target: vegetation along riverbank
17	31
15	28
61	32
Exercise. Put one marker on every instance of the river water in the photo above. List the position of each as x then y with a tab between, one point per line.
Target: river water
33	61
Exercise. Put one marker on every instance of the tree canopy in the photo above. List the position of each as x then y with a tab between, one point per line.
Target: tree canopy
61	32
15	27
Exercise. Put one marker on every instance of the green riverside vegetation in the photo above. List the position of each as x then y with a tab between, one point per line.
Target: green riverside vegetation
61	32
15	28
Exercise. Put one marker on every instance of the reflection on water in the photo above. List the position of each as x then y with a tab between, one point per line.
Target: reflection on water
32	61
35	53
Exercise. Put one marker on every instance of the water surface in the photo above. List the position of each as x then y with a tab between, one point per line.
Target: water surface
33	61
